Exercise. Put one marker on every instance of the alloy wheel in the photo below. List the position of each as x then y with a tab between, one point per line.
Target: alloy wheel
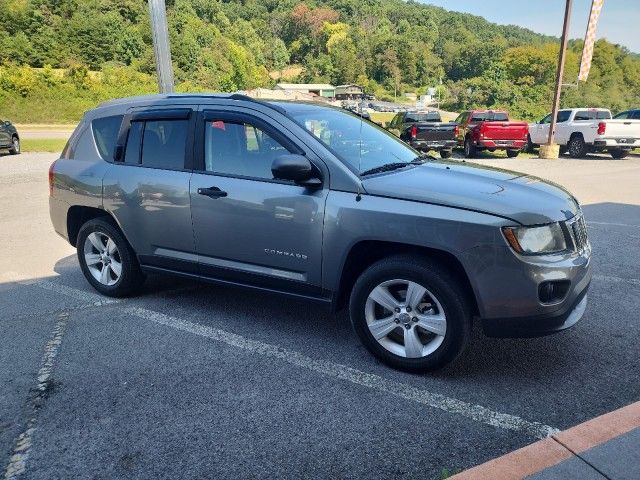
102	258
405	318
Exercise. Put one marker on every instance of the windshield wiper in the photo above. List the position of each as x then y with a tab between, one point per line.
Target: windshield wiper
387	167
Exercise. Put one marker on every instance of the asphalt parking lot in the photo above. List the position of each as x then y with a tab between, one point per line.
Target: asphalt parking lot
195	381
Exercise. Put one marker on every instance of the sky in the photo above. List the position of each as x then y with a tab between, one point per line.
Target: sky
619	21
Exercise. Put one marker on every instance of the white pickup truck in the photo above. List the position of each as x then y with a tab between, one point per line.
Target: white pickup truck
583	130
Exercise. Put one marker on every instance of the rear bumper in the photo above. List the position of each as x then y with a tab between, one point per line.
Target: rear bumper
433	144
624	143
501	144
58	212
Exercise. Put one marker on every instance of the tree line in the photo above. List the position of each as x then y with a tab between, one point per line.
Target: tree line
104	49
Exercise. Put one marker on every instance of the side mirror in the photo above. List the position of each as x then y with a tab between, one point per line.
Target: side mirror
296	168
7	123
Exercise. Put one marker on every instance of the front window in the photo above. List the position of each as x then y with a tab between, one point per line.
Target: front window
361	144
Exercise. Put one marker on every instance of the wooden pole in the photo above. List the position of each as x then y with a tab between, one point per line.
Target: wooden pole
560	71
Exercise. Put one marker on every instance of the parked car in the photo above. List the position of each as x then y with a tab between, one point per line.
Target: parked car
583	130
310	201
9	138
628	115
490	130
425	131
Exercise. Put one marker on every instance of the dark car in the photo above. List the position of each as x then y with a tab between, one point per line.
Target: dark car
313	202
9	138
628	115
425	131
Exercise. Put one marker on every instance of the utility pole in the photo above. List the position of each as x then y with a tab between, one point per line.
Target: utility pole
551	150
161	48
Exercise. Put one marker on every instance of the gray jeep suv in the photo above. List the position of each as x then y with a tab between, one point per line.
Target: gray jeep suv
315	202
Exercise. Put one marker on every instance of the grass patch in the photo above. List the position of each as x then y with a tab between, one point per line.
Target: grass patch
382	117
50	145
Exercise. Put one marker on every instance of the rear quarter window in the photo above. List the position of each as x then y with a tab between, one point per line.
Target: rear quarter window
105	133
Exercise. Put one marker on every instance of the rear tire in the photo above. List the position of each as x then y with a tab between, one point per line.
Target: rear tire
529	147
618	153
439	325
445	153
469	148
577	147
513	153
15	146
107	260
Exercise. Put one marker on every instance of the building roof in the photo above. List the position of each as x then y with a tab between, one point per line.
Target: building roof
305	86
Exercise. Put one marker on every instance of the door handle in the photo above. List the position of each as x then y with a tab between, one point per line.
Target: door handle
212	192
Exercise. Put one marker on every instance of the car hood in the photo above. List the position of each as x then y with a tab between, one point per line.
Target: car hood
526	199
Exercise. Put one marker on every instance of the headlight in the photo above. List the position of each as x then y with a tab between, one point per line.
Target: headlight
536	240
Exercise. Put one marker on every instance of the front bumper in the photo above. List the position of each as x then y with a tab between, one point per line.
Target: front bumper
537	326
433	144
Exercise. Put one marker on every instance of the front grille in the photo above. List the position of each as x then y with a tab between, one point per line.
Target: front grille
579	231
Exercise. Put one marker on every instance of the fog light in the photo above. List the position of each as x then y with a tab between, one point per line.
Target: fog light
553	291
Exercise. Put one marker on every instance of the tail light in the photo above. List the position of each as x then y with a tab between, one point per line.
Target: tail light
456	131
51	178
602	128
414	132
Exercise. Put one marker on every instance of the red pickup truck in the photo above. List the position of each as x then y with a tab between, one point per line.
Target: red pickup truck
490	130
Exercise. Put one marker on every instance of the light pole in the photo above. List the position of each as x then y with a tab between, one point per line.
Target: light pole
161	48
550	150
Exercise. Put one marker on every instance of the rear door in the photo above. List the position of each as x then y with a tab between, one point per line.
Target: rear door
147	186
250	228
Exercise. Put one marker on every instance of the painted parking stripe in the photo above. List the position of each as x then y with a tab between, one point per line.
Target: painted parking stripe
342	372
22	445
611	278
609	224
88	297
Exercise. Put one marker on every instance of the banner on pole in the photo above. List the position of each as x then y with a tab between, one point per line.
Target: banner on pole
590	39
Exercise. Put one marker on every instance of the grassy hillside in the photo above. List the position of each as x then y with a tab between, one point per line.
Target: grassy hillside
385	45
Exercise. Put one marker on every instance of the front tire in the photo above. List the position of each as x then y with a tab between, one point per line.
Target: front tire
15	146
618	153
410	313
529	147
577	147
108	262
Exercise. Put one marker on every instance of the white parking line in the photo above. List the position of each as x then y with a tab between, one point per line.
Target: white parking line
610	278
609	224
342	372
18	461
89	297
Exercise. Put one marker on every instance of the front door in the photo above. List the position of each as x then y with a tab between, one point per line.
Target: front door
248	227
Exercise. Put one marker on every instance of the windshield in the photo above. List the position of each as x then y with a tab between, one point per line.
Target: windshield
359	143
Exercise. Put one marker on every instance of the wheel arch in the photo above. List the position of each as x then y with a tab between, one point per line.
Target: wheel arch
365	253
78	215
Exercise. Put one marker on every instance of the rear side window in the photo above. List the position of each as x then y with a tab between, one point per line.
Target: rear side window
164	143
105	133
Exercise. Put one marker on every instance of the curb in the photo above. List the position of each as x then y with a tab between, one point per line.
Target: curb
562	446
